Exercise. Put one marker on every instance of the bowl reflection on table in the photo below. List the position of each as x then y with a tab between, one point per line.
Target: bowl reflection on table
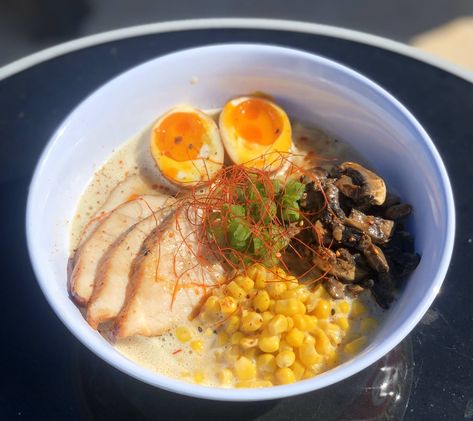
339	100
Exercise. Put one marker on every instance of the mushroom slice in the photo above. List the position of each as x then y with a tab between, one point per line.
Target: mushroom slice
379	229
113	225
340	264
360	184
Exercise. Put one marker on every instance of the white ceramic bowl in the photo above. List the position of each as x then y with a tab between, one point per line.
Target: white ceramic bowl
314	89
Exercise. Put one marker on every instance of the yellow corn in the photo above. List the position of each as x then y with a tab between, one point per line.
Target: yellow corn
276	288
322	342
310	322
245	369
252	270
247	343
261	301
245	282
268	343
343	323
225	376
333	331
295	337
308	355
298	370
233	324
212	305
284	346
222	338
285	376
228	305
266	363
236	337
322	309
289	307
290	323
367	324
292	293
260	278
299	321
285	358
267	316
277	325
356	345
251	322
235	291
357	309
309	339
232	354
344	307
197	346
183	334
254	384
199	376
250	353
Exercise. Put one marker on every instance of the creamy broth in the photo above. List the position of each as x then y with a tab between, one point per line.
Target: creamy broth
165	354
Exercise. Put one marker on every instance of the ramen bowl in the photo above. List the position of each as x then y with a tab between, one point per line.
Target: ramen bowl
336	98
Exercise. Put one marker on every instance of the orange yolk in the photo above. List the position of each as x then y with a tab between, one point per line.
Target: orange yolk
180	136
256	121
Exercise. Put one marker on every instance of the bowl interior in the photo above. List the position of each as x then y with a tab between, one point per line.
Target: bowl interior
312	88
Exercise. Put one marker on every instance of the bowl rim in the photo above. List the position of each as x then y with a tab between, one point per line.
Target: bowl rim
121	363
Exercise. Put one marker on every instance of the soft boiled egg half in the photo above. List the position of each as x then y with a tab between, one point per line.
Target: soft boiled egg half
255	132
186	145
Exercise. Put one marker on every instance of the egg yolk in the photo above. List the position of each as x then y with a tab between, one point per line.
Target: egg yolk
257	121
180	136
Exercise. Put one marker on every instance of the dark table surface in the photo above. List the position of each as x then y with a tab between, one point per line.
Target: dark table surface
47	374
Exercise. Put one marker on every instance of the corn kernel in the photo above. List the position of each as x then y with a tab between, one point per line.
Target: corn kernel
212	305
199	377
254	384
322	309
356	345
252	270
298	370
183	334
232	354
285	358
344	307
261	301
251	322
322	342
308	374
357	309
292	293
367	324
310	322
245	369
284	346
236	337
245	282
233	324
197	346
299	321
225	376
290	323
222	338
268	343
285	376
295	337
235	291
343	323
319	292
277	325
309	339
276	288
266	363
333	331
247	343
228	305
289	307
267	316
250	353
260	279
292	282
332	359
308	355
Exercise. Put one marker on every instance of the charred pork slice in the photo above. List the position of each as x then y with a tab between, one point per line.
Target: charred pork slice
111	280
111	227
167	279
